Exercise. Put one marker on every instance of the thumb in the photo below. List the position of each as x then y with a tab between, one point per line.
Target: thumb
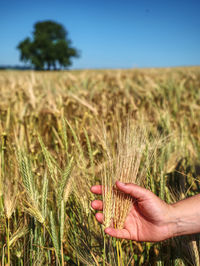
135	191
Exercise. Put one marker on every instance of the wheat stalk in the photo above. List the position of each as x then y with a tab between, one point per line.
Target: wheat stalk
123	167
108	199
44	195
54	236
63	182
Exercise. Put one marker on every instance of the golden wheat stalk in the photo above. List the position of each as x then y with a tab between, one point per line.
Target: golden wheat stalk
10	198
108	199
124	167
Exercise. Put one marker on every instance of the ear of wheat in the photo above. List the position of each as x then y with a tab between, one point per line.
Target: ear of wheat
123	167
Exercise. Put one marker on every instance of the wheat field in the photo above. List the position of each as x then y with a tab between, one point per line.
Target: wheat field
52	150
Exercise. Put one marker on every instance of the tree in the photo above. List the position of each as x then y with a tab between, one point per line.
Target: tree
50	47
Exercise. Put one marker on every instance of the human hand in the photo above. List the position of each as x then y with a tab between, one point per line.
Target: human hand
148	219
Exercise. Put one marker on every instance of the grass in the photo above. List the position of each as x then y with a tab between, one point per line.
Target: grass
60	134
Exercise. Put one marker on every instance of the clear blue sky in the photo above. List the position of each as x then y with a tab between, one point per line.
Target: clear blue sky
112	33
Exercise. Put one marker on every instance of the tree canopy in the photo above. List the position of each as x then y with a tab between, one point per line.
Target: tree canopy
50	47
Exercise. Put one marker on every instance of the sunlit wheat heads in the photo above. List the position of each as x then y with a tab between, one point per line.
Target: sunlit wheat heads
124	167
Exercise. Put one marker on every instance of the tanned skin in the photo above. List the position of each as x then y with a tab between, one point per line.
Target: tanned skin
150	218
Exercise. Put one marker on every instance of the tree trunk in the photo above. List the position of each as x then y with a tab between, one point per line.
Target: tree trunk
54	66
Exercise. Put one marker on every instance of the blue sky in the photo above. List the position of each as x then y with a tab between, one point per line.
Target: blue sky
112	33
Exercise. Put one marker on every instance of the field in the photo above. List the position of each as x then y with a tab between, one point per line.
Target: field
51	153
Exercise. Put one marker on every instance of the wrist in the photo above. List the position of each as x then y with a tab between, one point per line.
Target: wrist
184	217
173	221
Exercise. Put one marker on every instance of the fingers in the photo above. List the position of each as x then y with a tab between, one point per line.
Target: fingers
99	217
97	205
123	233
96	189
135	191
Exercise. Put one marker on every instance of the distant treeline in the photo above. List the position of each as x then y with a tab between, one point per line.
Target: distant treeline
15	67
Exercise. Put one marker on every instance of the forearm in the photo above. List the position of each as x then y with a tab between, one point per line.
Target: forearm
185	216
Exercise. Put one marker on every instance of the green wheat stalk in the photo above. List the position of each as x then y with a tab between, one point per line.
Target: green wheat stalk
54	236
62	220
63	182
48	158
44	195
26	173
77	142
